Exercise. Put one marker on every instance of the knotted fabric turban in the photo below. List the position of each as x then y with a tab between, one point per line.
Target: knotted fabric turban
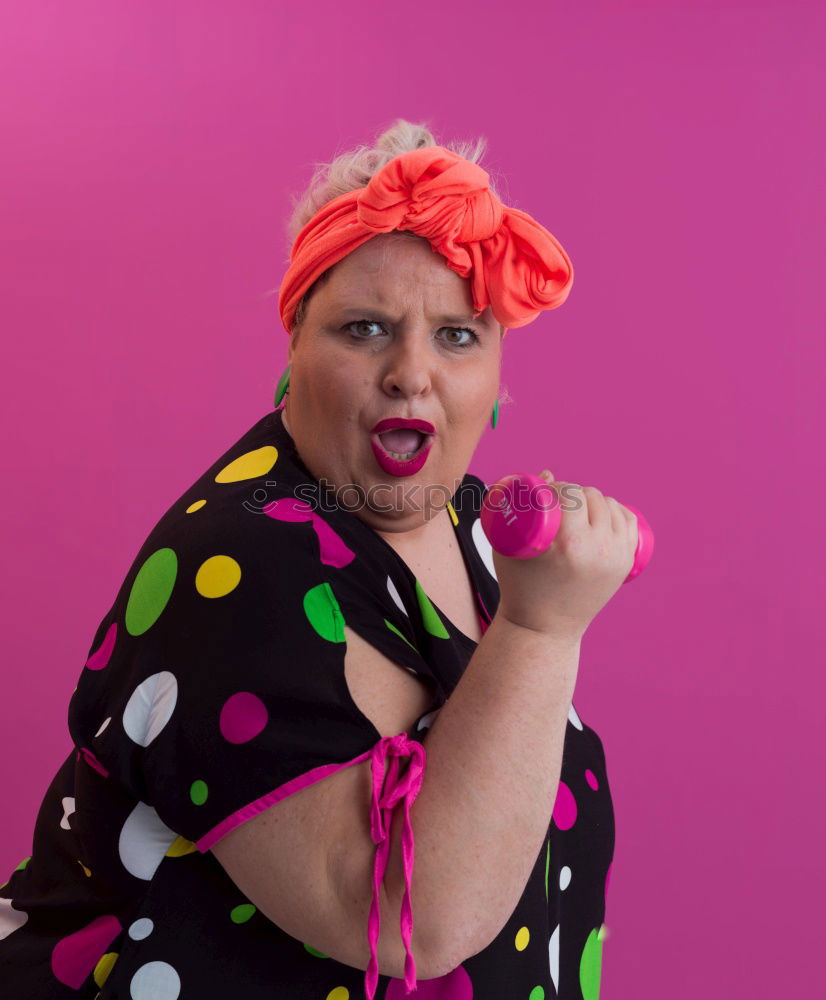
514	264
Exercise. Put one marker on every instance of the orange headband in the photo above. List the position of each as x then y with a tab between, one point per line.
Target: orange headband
515	265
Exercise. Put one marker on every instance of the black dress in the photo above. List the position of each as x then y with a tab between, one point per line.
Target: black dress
214	687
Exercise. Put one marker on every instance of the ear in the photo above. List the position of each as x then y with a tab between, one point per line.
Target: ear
291	347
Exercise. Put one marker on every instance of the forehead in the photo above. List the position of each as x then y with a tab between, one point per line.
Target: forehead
398	262
382	270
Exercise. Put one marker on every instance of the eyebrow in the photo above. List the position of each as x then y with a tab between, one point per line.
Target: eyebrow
386	317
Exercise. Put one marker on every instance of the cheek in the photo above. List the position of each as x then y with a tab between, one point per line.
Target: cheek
478	396
334	403
330	383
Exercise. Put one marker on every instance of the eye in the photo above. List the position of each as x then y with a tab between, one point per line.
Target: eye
362	322
472	339
469	341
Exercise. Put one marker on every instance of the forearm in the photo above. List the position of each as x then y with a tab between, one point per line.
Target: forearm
494	757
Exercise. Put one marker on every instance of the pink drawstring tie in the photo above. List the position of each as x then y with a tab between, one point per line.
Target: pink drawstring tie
388	790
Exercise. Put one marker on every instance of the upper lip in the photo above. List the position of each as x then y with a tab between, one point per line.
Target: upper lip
393	423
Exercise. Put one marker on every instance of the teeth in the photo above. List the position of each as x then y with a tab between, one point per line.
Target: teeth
396	454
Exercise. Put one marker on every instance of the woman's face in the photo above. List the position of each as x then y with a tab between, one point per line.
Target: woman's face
390	333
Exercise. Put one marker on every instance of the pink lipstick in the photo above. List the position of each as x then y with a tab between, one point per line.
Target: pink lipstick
401	446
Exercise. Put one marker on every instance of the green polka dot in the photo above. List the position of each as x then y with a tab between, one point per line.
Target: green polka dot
537	993
590	966
20	867
393	628
430	617
313	951
241	914
547	865
199	792
323	612
151	591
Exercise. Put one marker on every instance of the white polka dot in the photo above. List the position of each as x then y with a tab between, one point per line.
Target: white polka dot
427	720
573	718
143	842
105	724
68	808
141	929
150	707
155	981
391	587
483	546
553	957
564	877
10	919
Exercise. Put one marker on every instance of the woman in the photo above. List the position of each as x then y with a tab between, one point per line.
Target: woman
251	769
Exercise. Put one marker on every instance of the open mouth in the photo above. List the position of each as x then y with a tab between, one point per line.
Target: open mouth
403	444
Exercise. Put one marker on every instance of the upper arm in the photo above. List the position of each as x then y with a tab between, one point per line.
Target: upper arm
307	861
234	691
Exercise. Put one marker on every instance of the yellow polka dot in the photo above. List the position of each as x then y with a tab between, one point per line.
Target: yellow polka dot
523	935
85	869
339	993
452	513
195	506
250	466
104	967
180	847
217	576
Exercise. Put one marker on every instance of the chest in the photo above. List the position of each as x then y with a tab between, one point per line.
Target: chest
441	571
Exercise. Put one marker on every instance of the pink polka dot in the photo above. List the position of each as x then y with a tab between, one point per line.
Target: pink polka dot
331	548
100	657
564	814
243	717
591	778
289	509
456	985
75	957
92	761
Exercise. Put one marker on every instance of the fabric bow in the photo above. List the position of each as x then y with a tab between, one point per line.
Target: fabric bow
388	790
514	264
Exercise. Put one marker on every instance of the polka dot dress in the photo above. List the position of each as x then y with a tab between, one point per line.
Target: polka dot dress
213	688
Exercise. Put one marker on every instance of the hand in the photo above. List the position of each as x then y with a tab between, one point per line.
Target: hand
561	591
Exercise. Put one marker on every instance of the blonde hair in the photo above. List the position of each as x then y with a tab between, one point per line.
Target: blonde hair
352	170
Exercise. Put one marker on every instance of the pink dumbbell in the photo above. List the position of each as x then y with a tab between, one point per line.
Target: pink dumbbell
521	516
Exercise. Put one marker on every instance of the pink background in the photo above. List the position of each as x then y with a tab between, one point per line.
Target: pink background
149	150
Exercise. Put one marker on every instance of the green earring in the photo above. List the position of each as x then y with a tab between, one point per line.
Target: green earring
283	385
495	415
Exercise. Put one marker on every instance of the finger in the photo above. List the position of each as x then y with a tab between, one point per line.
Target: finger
619	521
599	514
572	503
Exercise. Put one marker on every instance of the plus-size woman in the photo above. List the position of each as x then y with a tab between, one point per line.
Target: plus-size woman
324	743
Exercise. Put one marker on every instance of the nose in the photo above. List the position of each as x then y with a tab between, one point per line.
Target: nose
408	370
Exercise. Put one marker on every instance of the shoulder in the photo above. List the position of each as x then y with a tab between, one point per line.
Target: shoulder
229	535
